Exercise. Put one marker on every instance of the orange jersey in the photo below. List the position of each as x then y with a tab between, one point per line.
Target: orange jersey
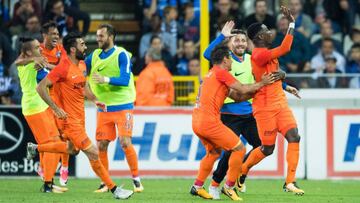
71	80
155	86
213	91
265	60
53	56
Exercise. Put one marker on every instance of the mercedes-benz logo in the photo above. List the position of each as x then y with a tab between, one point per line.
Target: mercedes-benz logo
4	134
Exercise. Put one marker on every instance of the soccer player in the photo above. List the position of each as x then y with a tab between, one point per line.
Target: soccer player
270	104
207	125
70	74
36	112
112	82
52	51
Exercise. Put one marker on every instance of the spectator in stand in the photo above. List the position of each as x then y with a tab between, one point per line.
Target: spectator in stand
189	52
157	44
72	9
303	22
223	11
33	29
8	55
194	67
353	65
326	31
320	19
168	40
5	97
66	18
341	12
190	25
352	38
4	19
169	23
261	15
2	67
327	48
23	9
330	81
154	85
300	48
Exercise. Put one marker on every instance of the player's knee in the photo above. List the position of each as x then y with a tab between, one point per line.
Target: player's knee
268	150
125	142
215	153
103	145
292	135
92	153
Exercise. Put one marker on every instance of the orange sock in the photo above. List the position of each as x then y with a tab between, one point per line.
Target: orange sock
55	147
65	160
41	155
102	173
206	166
50	165
292	158
255	157
235	162
132	160
104	159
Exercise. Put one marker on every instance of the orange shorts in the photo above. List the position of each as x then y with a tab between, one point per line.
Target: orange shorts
75	132
270	122
106	122
214	135
43	126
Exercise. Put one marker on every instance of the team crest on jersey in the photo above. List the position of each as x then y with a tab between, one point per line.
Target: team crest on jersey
58	54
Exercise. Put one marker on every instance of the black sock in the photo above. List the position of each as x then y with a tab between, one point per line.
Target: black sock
242	179
113	189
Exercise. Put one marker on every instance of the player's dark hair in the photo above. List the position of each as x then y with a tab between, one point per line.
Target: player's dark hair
109	29
219	52
46	27
70	41
253	30
25	43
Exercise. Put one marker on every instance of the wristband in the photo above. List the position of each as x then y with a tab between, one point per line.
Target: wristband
106	79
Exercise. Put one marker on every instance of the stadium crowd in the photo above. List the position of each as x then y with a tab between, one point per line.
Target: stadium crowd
326	41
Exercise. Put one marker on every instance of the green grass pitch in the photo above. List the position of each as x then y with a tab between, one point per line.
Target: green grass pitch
177	190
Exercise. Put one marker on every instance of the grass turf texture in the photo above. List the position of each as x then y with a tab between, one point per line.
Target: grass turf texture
177	190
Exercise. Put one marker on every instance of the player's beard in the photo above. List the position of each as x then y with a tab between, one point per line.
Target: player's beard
105	45
79	55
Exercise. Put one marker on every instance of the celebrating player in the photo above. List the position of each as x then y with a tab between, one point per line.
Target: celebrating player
70	75
51	51
37	113
237	116
270	104
112	82
208	127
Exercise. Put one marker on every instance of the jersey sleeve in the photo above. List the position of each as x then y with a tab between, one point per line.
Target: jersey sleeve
59	73
225	77
125	71
263	56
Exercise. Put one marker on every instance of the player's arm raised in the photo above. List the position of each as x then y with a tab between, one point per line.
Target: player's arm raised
42	89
